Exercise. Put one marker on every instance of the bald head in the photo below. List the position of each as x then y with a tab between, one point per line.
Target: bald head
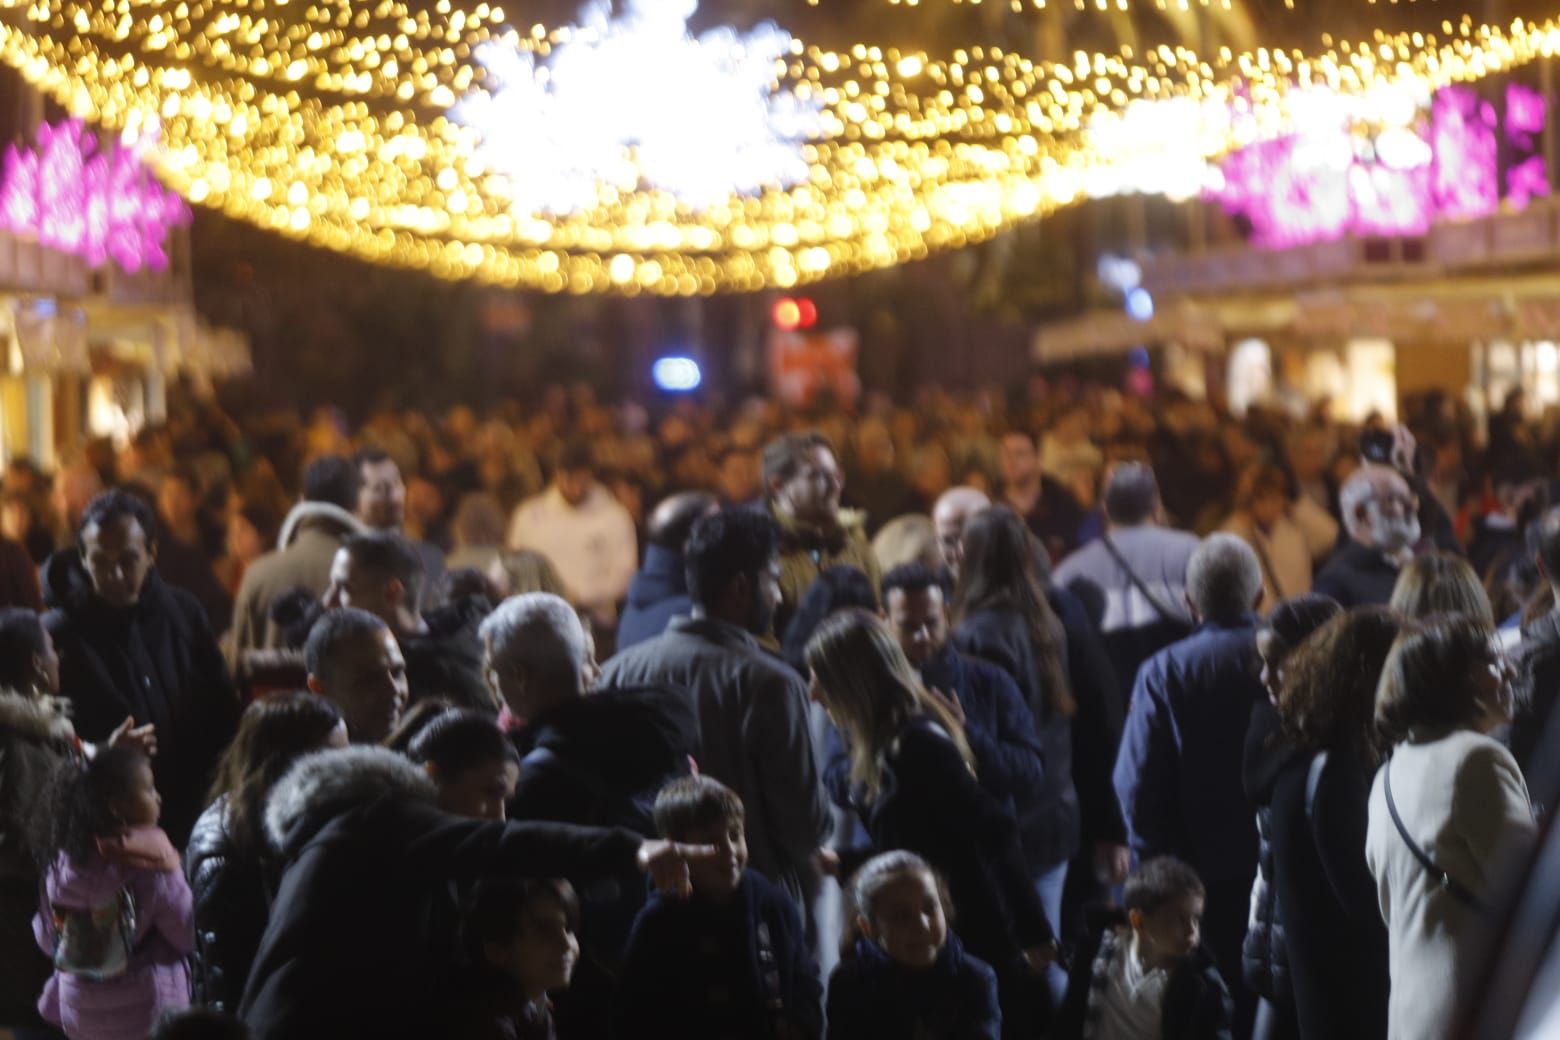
672	521
952	511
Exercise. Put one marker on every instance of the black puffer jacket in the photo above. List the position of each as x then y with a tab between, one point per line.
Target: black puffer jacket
232	894
1264	961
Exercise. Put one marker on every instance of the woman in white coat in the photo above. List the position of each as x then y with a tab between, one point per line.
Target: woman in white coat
1442	809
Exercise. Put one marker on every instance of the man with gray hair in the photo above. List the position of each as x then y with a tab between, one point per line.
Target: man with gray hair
1381	515
1178	774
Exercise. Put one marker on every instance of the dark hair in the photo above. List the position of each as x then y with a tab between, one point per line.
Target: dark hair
1000	573
458	741
273	733
414	720
1425	685
1293	620
575	455
371	456
914	577
1159	883
199	1023
119	504
1131	494
690	802
334	628
1441	583
783	455
1549	544
263	520
387	555
672	520
21	640
497	914
1327	698
835	589
81	796
333	479
1259	481
724	545
472	583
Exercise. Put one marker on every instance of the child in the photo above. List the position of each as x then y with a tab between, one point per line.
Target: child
470	760
902	973
730	961
105	845
520	940
1146	978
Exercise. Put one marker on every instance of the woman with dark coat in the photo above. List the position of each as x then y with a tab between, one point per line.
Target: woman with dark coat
363	937
914	786
1001	613
1264	956
231	870
1334	934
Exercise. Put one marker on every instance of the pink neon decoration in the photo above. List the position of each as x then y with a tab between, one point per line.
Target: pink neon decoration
1527	176
98	204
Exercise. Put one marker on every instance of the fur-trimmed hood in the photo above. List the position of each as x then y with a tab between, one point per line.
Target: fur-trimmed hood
40	719
327	513
326	784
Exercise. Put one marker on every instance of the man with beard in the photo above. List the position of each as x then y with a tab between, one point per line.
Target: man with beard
1381	516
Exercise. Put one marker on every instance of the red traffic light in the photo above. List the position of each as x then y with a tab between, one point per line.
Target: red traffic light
792	314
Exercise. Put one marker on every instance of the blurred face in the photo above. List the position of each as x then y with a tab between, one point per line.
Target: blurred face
908	921
481	791
574	485
117	559
15	519
47	666
352	586
1268	509
740	479
1389	519
243	541
919	621
424	501
1492	689
542	954
718	879
177	503
367	682
1308	457
381	500
1170	933
1271	651
141	805
1020	462
812	493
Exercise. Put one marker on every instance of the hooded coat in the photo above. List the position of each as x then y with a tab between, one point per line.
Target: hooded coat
363	935
658	593
310	536
446	659
36	740
156	661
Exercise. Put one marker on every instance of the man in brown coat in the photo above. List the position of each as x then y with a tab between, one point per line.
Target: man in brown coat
312	533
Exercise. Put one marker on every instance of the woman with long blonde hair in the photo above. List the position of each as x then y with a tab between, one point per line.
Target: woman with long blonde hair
913	784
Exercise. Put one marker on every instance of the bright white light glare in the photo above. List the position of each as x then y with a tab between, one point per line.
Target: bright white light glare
1140	305
1402	149
676	374
637	102
1119	273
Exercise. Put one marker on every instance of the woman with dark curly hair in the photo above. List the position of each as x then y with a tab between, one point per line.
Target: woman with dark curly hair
1334	936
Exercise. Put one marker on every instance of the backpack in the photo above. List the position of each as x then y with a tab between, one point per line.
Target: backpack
95	942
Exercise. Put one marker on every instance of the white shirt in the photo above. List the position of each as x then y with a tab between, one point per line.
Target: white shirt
1134	999
592	546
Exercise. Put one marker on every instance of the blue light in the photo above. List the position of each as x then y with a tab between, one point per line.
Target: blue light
1140	305
676	374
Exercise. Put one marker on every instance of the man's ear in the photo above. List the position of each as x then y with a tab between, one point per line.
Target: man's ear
395	592
864	926
1135	919
432	771
315	686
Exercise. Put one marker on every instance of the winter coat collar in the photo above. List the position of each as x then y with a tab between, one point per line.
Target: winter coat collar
795	535
326	784
663	576
67	587
323	516
40	719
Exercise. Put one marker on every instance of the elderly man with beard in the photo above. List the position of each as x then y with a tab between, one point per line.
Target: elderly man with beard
1380	513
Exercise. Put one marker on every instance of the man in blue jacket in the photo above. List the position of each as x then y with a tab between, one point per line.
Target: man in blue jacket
659	592
1178	774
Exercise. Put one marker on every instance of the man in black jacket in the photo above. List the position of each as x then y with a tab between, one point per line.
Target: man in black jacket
1381	516
132	645
659	592
382	573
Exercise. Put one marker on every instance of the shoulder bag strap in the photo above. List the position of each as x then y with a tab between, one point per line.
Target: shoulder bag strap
1267	564
1461	892
1313	780
1164	612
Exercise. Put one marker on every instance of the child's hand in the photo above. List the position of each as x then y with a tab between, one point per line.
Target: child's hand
143	738
667	864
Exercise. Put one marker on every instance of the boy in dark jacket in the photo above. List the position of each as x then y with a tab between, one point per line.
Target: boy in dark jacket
1147	978
733	960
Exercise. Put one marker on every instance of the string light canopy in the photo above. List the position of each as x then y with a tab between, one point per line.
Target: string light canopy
379	130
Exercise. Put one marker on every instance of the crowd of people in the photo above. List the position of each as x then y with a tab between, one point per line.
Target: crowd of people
1083	715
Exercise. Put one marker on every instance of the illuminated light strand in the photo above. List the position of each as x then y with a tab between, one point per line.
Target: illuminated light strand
913	154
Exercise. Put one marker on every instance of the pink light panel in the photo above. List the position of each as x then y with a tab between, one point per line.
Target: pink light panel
98	204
